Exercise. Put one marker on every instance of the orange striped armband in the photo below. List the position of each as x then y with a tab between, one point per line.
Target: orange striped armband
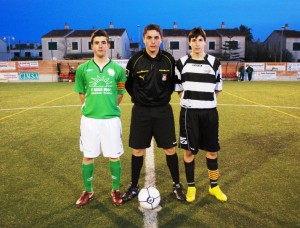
121	85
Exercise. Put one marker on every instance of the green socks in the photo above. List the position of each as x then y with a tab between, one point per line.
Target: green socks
87	174
115	170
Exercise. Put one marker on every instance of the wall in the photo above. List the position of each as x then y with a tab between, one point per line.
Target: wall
183	46
46	70
266	71
289	46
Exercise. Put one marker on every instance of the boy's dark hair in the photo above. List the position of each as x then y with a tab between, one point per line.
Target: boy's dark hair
99	32
195	32
152	27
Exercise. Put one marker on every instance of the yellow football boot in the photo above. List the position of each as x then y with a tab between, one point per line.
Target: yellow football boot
217	192
191	194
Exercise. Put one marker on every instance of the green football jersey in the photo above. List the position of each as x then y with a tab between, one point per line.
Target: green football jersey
101	88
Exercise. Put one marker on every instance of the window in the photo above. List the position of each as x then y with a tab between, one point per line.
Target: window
40	54
212	45
232	45
27	54
74	45
90	45
296	46
112	44
174	45
17	54
52	45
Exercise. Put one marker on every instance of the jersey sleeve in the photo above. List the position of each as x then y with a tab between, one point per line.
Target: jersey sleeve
219	81
173	76
178	83
121	81
129	74
79	80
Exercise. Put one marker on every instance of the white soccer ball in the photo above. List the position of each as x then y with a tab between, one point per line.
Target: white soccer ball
149	198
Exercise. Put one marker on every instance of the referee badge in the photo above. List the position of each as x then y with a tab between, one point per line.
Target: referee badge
164	77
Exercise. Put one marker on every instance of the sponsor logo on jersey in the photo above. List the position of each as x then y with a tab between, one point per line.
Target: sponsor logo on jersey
101	85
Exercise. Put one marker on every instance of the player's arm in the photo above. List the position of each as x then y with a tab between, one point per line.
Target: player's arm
120	97
80	84
173	76
129	74
178	83
121	85
219	81
121	89
82	97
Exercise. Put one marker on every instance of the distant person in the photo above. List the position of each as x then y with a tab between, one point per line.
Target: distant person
150	83
242	72
72	70
199	83
100	83
249	71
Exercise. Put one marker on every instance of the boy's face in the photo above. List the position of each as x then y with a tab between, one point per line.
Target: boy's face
100	46
197	44
152	41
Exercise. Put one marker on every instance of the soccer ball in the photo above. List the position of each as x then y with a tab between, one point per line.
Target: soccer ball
149	197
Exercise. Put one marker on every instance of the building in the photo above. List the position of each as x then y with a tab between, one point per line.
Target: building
231	42
54	43
26	51
134	47
19	51
175	41
280	40
119	42
76	44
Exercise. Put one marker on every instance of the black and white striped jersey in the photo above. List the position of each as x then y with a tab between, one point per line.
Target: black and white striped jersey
199	80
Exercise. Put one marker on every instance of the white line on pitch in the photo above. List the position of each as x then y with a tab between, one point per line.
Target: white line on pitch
127	104
150	216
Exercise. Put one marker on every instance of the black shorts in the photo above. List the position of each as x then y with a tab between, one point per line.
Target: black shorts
199	129
148	122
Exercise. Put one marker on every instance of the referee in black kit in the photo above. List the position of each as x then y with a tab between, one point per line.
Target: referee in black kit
150	83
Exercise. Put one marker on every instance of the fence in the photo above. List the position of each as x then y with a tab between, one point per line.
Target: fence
62	70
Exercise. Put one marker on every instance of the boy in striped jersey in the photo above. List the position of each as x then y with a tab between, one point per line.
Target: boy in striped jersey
199	82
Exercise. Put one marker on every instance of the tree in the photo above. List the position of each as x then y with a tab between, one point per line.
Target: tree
230	48
255	51
247	32
249	41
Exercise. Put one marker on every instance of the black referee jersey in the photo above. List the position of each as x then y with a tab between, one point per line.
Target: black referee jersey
150	81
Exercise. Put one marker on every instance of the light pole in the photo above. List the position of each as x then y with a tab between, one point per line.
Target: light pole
281	38
138	26
8	40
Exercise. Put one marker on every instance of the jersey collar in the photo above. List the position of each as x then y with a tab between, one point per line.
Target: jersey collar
157	57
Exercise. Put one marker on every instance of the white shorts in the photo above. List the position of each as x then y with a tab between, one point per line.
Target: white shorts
101	136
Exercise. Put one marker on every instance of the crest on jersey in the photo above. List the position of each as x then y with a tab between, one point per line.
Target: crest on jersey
111	72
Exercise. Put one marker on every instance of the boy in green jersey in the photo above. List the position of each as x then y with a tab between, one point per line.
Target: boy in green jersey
100	83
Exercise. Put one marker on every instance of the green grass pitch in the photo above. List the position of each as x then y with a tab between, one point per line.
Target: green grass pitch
41	163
